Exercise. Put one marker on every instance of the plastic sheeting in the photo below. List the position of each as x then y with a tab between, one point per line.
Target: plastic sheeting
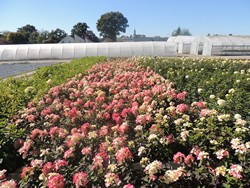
221	45
183	43
78	50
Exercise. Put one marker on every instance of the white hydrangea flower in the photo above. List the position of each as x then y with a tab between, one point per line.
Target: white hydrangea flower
221	102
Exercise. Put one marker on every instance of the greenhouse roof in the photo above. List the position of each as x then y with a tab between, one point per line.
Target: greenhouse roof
227	40
183	39
78	50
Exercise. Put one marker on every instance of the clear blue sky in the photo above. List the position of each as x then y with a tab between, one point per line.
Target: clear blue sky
153	18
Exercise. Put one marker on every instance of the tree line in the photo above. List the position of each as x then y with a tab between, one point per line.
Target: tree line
110	25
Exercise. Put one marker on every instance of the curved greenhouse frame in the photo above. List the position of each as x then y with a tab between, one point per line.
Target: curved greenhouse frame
78	50
183	43
221	45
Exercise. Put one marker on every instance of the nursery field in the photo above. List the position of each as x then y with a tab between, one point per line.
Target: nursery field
138	122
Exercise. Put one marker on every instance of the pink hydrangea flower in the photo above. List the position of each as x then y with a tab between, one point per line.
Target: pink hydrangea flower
204	112
86	151
8	184
112	179
24	150
123	127
179	158
104	131
69	153
128	186
182	108
123	154
26	171
2	174
189	159
56	181
201	105
202	155
181	96
80	179
235	171
60	163
221	153
47	168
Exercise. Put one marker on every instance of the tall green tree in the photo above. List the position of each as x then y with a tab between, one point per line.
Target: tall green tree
55	36
181	32
15	38
3	36
80	29
43	36
90	35
27	31
111	24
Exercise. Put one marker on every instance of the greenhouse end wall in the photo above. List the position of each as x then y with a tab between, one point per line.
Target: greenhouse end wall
78	50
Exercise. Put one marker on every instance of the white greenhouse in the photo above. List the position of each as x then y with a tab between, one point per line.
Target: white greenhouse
221	45
183	43
78	50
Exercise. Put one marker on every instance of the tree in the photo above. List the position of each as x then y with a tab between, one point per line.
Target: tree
79	29
43	36
182	32
3	36
15	38
176	32
27	31
33	38
111	24
90	35
55	36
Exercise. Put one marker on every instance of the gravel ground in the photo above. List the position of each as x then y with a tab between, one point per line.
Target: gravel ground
12	68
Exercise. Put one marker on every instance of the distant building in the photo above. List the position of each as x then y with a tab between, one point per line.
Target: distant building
140	38
72	39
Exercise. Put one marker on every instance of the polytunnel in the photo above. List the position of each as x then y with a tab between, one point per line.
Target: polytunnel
221	45
183	43
78	50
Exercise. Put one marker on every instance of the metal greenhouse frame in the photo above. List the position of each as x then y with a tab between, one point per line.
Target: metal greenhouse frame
221	45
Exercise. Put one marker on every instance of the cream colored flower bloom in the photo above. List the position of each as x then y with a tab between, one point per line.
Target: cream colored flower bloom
237	116
112	167
141	150
240	122
235	142
247	144
212	96
221	102
152	137
214	142
49	81
184	134
232	90
221	170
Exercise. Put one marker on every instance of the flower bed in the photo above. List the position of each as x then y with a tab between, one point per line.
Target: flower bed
208	80
123	125
15	93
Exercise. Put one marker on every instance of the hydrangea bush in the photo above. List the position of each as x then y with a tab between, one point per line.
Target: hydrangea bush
123	125
208	79
15	93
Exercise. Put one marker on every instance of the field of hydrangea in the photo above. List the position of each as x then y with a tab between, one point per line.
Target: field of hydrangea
140	122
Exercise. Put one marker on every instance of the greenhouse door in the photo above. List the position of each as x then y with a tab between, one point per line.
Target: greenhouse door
200	48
